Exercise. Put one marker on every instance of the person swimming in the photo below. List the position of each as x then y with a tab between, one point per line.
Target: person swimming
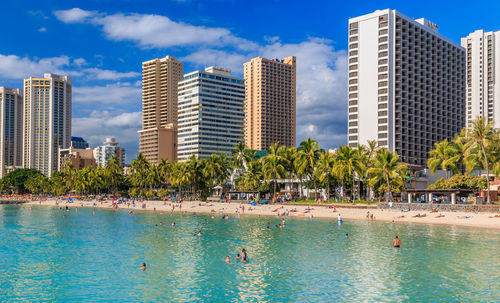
228	260
199	233
173	224
238	256
396	242
268	224
346	236
143	267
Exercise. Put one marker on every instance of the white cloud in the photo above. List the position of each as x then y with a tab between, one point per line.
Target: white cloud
42	29
104	74
74	15
121	125
117	93
15	67
208	57
154	30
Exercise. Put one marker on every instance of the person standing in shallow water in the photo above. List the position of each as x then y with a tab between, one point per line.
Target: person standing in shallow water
396	242
143	267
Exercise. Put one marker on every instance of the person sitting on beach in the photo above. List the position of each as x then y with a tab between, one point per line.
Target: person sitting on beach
440	216
228	260
143	267
396	242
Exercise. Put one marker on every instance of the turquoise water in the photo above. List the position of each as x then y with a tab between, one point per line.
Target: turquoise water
47	257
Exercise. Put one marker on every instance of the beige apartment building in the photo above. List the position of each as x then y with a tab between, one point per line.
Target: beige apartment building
11	129
47	121
79	158
158	136
270	102
159	143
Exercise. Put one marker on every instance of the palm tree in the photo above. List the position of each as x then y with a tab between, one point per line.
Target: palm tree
240	156
163	168
195	171
272	165
325	168
179	176
140	169
445	155
112	175
307	158
216	168
346	162
252	176
479	137
386	168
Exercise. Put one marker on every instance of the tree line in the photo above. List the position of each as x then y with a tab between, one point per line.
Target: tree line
362	172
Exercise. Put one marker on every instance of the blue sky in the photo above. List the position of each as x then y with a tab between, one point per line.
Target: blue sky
101	44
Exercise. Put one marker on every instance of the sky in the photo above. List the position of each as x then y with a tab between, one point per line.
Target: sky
102	43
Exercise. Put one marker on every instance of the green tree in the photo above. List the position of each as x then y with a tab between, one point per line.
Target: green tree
478	141
387	169
324	172
272	165
307	158
179	176
445	155
346	162
17	179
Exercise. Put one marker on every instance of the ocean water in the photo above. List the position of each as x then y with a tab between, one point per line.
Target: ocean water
51	255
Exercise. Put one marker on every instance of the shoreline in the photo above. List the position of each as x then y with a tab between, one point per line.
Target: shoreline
462	219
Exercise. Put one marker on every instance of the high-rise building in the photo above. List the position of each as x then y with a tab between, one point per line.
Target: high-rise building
79	142
47	121
270	102
11	128
406	84
159	108
109	149
483	76
211	113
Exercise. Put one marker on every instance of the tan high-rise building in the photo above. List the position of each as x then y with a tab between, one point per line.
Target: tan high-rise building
47	121
159	108
11	129
270	102
79	158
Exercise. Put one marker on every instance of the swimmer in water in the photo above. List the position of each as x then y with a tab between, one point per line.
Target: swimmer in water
283	222
173	224
143	267
268	224
238	256
346	236
199	233
228	260
396	242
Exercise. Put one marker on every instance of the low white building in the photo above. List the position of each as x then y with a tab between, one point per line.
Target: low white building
105	152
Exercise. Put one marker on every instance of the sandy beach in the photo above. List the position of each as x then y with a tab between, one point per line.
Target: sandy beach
467	219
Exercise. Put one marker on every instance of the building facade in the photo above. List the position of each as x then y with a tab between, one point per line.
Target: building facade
79	142
108	150
11	129
47	121
406	84
159	143
79	158
483	76
270	102
159	108
211	113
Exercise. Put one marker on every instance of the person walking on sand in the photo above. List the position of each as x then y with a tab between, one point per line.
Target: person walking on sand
396	242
